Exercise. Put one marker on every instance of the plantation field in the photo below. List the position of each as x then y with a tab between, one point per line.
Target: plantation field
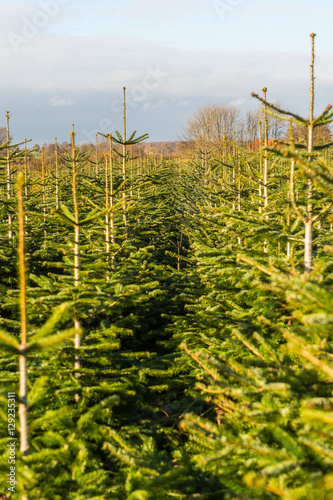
166	323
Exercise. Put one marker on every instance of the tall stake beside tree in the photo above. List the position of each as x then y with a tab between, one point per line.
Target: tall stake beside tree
56	172
9	179
44	188
96	155
25	169
308	223
234	154
25	173
77	326
265	151
23	407
260	164
124	158
265	179
111	190
107	204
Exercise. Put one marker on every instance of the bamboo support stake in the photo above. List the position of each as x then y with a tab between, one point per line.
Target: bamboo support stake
234	171
96	153
9	180
140	173
239	240
25	173
56	172
77	338
111	191
23	406
288	254
25	169
239	186
124	160
308	257
260	165
265	152
107	224
265	183
44	189
131	170
291	192
210	182
205	157
179	248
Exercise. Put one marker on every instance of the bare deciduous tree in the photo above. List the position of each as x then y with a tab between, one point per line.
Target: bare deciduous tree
321	135
249	127
211	124
276	128
3	135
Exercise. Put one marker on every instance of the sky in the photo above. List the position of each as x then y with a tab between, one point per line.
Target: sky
65	62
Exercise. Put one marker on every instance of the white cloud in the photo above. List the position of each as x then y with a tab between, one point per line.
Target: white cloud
160	104
61	64
60	101
80	80
237	102
186	102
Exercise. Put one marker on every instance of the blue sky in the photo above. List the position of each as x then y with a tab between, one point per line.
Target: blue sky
66	61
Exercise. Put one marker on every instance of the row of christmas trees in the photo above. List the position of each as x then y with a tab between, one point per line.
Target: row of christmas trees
168	334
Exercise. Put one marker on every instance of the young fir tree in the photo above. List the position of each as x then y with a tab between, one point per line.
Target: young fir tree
307	211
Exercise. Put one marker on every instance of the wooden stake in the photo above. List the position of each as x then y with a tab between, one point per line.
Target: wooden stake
23	406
